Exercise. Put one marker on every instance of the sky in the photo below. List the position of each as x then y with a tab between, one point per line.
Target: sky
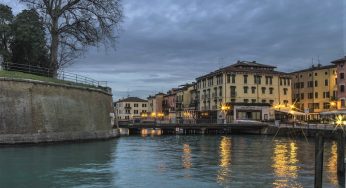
165	43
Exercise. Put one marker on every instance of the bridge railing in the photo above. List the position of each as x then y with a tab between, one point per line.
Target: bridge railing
71	78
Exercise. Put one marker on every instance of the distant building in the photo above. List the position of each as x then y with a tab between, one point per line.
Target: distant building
155	109
244	90
314	89
186	103
130	108
341	81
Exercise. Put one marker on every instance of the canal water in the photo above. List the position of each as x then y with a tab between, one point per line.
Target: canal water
169	161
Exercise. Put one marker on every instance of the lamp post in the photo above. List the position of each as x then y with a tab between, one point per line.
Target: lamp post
224	109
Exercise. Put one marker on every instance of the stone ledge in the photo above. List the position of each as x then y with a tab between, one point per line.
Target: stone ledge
55	84
57	137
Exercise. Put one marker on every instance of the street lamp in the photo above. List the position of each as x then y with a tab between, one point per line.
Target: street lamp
224	109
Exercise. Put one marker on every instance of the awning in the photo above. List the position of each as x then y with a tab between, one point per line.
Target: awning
334	112
291	112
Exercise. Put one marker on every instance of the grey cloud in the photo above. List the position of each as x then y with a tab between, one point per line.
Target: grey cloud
166	43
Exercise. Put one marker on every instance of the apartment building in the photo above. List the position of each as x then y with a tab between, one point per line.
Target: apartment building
244	90
340	81
314	89
186	103
169	106
130	108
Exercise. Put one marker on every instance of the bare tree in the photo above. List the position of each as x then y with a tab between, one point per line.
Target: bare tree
74	25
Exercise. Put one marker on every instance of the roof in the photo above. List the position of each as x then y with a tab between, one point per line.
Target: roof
313	68
132	99
342	60
245	66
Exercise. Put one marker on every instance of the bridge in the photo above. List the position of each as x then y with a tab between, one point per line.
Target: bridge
200	128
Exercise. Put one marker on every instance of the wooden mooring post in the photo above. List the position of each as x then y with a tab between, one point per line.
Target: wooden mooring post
319	147
341	156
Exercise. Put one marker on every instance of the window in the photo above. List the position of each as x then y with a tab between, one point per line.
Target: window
301	84
342	102
271	102
245	79
135	111
285	91
135	105
245	89
228	78
310	84
326	105
316	94
144	105
302	96
233	93
316	83
342	88
264	101
310	95
263	90
325	73
246	100
253	90
280	81
315	73
271	90
325	82
220	91
342	75
233	78
257	79
310	75
127	105
127	117
326	94
144	111
253	100
127	112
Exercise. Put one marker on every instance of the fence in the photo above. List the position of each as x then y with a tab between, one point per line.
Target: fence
61	75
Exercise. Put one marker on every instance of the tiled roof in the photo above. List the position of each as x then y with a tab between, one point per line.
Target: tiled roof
342	60
319	67
132	99
245	66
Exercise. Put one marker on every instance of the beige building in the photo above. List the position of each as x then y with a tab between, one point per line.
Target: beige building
244	90
314	89
130	108
186	103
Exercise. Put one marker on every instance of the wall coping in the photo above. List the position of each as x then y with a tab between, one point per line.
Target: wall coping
54	84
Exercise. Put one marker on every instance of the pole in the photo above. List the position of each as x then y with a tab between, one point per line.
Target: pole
319	144
340	153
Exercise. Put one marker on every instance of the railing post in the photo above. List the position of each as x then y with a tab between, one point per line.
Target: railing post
319	147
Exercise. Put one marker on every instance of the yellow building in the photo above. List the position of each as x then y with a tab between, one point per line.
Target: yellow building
186	104
314	89
244	90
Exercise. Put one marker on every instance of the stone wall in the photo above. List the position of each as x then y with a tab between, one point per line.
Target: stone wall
35	111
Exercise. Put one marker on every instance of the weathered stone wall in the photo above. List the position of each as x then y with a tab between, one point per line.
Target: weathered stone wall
34	111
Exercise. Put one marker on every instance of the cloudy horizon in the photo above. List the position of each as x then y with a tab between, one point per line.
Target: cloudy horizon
163	44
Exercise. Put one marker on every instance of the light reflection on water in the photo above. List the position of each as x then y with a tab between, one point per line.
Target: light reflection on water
168	161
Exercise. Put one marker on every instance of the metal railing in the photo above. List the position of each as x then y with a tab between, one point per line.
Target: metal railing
71	78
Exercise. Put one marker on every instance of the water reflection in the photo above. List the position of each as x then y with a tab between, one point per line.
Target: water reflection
332	165
224	173
186	158
285	165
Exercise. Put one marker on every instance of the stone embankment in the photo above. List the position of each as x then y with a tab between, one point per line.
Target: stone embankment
35	111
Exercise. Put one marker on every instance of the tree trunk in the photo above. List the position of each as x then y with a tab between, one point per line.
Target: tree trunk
54	47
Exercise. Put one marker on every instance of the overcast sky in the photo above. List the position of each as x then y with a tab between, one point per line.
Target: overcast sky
165	43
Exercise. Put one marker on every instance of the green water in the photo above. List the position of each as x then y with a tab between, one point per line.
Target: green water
168	161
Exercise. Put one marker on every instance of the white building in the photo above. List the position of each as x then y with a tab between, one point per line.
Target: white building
130	108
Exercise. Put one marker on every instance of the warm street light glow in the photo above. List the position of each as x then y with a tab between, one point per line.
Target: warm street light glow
144	115
153	114
339	121
224	107
332	103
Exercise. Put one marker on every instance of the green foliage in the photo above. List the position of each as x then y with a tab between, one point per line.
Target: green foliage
6	18
29	43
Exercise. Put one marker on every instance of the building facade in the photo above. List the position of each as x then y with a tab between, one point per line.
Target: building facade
228	93
341	81
186	103
314	89
130	108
